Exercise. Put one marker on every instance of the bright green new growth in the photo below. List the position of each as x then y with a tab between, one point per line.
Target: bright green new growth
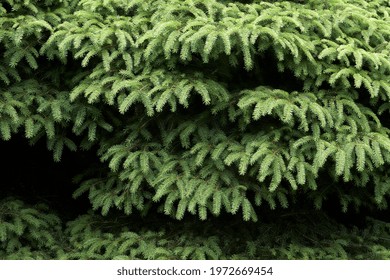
202	108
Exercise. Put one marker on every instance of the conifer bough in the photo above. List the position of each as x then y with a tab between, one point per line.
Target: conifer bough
202	107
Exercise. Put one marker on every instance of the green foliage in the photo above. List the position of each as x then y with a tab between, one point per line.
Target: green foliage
27	232
201	108
118	237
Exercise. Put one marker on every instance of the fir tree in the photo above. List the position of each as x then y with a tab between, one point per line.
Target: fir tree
200	109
